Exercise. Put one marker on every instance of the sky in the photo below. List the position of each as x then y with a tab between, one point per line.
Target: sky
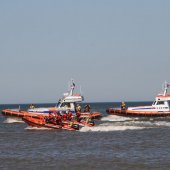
116	50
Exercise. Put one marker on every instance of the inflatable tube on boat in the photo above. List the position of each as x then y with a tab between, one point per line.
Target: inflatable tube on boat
40	123
93	115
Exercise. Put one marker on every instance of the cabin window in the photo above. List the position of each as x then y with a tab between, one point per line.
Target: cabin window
65	105
169	103
160	102
68	104
154	102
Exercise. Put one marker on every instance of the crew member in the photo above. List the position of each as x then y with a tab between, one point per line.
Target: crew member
32	106
78	114
69	116
58	119
78	108
50	118
123	106
87	108
64	117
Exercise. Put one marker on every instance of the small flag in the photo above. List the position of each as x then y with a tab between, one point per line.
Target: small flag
74	84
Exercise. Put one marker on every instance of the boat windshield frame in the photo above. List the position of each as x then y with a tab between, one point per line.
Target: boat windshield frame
168	103
154	103
66	104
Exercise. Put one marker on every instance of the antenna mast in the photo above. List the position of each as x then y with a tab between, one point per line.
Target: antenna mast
166	85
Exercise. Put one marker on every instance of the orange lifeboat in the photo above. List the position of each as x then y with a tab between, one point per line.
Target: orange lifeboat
40	122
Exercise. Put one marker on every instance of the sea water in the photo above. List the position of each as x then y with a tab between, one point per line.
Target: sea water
115	142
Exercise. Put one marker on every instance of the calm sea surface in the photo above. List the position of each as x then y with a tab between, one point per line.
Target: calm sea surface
114	143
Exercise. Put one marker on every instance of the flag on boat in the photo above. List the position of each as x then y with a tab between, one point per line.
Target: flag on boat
166	84
73	84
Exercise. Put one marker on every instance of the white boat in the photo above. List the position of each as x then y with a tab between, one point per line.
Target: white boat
67	103
160	107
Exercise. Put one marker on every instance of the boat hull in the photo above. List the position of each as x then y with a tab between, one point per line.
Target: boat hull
15	113
20	114
133	113
39	122
93	115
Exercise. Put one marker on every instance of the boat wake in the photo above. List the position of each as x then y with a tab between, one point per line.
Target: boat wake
115	118
13	120
106	127
36	128
152	123
163	123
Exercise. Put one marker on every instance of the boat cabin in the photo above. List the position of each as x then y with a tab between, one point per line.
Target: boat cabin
68	102
162	102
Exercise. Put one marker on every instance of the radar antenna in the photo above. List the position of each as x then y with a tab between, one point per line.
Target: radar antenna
165	86
72	87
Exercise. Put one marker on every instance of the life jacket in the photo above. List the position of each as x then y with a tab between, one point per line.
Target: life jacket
78	114
64	117
58	120
69	116
50	116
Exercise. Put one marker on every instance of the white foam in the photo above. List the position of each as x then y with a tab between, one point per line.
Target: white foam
13	120
149	123
115	118
162	123
108	127
36	128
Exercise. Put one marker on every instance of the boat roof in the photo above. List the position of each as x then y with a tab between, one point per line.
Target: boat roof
71	97
163	96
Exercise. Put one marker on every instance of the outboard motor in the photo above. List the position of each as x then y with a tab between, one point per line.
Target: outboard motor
75	126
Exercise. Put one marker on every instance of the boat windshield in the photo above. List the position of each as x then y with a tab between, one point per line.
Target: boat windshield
160	102
154	103
65	105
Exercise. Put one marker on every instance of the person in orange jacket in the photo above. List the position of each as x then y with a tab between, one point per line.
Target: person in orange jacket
58	119
64	117
78	114
69	116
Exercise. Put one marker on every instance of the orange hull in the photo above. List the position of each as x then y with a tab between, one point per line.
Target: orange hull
40	123
13	113
93	115
120	112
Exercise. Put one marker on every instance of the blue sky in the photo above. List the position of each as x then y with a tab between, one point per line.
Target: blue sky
115	49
